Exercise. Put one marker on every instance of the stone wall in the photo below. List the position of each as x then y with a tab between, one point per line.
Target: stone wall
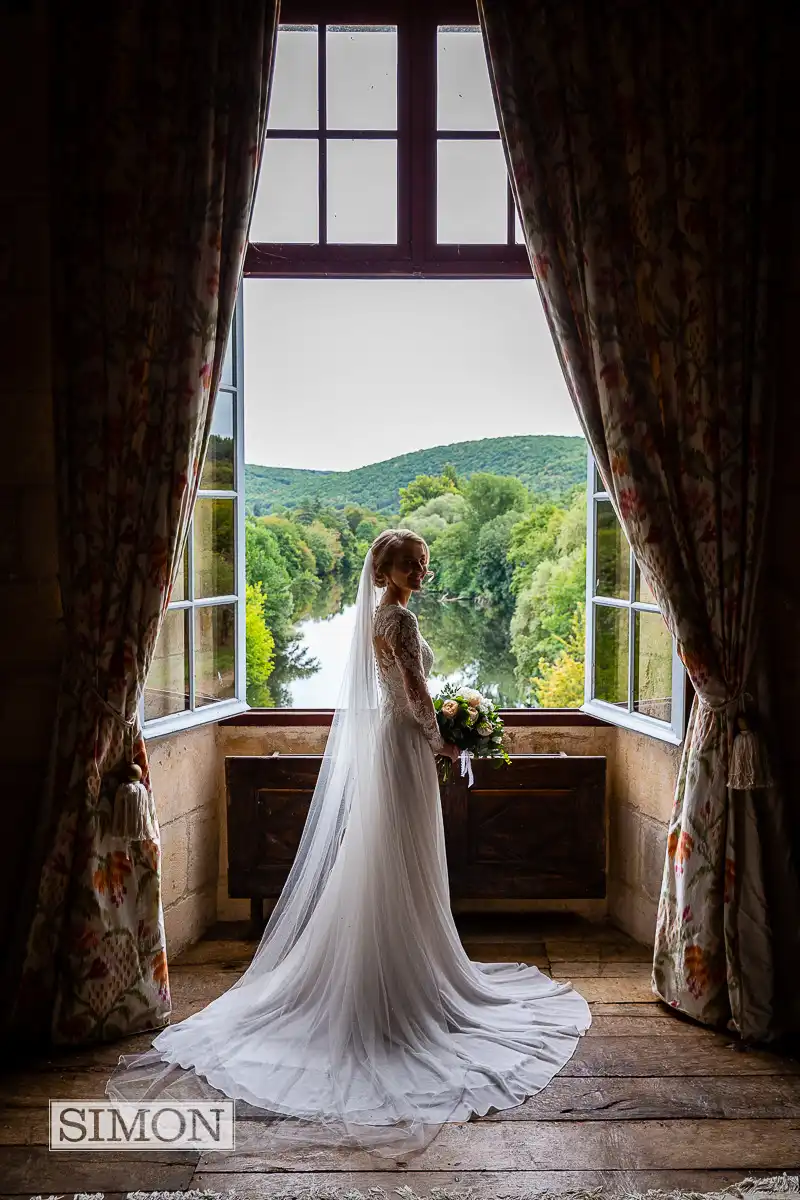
643	772
187	781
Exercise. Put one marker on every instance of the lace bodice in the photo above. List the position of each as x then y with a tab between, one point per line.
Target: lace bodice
404	660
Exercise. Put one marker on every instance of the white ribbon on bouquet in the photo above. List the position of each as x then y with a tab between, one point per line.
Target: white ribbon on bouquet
466	766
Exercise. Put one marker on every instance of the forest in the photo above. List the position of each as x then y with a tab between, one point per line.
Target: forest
549	465
505	608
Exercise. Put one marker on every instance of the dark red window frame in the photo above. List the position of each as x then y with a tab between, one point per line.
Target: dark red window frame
416	254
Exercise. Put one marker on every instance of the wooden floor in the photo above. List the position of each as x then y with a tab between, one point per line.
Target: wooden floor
649	1100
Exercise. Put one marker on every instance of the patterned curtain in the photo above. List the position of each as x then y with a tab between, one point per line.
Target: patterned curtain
158	115
640	143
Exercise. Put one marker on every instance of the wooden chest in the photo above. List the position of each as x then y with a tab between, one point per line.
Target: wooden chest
533	830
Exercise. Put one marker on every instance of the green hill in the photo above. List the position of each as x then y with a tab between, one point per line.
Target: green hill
550	465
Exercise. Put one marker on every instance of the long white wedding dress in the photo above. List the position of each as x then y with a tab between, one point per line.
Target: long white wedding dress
361	1021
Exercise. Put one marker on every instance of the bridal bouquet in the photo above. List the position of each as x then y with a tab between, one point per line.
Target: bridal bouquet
471	722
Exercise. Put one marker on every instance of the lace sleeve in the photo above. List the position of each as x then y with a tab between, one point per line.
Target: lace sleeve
402	636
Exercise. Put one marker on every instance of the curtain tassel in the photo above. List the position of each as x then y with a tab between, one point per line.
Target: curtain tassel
132	818
749	765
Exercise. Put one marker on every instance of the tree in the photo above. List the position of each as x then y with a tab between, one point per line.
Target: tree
550	587
490	496
260	644
266	567
560	684
326	546
427	487
307	510
493	569
433	517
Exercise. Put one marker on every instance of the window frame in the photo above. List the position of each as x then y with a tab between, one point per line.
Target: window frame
417	254
194	716
672	731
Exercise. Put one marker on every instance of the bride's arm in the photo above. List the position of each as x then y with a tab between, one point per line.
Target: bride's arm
402	636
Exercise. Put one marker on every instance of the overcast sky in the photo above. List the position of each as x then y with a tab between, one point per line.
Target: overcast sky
341	373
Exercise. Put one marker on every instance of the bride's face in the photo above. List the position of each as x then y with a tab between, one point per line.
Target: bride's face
409	566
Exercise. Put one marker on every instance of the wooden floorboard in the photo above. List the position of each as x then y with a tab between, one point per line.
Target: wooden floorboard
649	1100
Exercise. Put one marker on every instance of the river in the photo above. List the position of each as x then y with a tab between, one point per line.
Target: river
471	647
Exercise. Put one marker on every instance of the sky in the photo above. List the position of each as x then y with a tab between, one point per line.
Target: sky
342	373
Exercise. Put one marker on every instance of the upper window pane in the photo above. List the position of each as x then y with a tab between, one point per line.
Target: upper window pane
293	99
464	93
361	72
643	593
287	199
472	193
612	576
362	191
214	542
218	469
180	588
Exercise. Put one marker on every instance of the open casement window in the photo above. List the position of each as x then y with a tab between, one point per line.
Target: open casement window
397	93
198	670
634	676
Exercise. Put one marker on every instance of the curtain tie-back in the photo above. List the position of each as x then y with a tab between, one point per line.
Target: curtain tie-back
749	762
133	817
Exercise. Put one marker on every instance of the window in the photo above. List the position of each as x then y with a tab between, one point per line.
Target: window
198	671
404	102
634	676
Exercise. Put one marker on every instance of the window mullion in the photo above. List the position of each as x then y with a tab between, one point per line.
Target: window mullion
190	639
322	161
631	630
591	543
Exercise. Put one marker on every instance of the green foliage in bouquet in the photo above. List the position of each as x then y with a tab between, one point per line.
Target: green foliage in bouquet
470	721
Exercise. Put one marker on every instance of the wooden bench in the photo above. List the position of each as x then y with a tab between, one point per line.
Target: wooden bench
534	830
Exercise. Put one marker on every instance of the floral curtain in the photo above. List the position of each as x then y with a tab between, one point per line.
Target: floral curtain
158	116
640	144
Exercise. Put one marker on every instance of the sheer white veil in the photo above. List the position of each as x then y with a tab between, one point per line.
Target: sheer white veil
347	768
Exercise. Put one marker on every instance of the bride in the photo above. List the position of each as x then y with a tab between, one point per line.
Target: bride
361	1022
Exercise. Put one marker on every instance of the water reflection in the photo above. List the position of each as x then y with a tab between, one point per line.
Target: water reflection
471	647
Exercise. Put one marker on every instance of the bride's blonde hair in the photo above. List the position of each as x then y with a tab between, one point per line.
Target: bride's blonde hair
386	546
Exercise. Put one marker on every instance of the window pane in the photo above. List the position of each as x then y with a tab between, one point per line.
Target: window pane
519	236
167	688
652	667
293	99
218	469
643	593
227	379
362	191
214	573
613	563
464	94
180	588
361	71
287	199
215	654
471	193
611	655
